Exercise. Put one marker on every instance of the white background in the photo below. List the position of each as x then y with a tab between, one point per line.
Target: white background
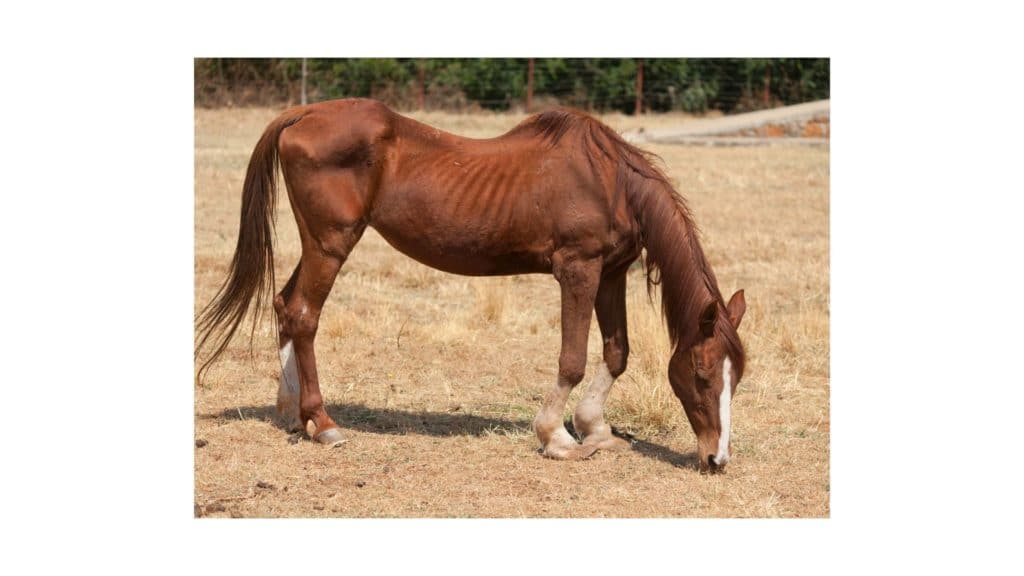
96	224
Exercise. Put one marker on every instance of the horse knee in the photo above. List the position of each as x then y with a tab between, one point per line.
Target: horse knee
572	373
619	365
615	357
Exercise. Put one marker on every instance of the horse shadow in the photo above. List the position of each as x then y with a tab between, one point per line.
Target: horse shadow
362	418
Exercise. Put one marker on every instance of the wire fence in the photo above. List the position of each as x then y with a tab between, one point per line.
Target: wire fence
629	85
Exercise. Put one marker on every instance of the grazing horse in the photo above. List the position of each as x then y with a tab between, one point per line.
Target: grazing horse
559	194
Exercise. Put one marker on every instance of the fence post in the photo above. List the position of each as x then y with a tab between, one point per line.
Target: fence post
639	86
529	85
303	81
420	89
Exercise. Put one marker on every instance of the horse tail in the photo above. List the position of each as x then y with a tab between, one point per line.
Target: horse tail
252	268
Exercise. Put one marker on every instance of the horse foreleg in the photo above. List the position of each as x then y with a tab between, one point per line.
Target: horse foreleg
588	419
579	281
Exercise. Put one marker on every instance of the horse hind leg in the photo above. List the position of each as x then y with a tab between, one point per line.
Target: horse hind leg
588	419
288	390
298	308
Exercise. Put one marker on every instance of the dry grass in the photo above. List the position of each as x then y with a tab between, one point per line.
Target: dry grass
642	402
490	307
435	378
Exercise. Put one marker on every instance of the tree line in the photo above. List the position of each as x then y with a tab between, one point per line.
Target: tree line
598	84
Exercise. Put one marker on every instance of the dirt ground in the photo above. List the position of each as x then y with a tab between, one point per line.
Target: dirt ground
435	378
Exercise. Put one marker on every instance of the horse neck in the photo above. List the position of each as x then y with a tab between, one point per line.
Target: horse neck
675	258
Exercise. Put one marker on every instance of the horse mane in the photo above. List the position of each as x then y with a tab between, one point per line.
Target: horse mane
550	125
674	257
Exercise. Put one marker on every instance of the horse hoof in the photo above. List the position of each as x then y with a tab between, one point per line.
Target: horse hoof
577	452
607	443
330	437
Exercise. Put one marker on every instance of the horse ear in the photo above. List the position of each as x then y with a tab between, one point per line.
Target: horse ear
708	318
737	306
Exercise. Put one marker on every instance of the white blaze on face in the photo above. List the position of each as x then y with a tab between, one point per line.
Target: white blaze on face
723	413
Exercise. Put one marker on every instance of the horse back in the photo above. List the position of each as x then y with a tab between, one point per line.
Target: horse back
472	206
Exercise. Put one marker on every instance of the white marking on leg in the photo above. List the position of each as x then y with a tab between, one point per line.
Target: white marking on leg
589	415
562	438
289	369
723	413
548	424
288	392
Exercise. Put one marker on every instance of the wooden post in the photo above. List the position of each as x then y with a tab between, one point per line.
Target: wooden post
303	81
421	90
529	85
767	96
639	86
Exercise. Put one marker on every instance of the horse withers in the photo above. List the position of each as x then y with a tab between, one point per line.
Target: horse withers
559	194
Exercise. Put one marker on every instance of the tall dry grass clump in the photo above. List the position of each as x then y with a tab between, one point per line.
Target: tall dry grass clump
490	302
642	401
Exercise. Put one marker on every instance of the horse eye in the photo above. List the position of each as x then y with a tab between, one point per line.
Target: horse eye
703	372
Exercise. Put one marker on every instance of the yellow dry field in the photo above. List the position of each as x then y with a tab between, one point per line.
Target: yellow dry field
435	378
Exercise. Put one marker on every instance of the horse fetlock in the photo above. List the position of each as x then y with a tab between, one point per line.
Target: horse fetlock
587	421
607	442
571	452
288	413
560	445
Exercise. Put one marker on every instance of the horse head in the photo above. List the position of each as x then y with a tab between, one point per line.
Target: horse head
704	376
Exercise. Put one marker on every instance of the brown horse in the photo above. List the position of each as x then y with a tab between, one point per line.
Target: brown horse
560	194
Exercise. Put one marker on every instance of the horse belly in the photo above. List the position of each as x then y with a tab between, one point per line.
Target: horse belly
443	233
